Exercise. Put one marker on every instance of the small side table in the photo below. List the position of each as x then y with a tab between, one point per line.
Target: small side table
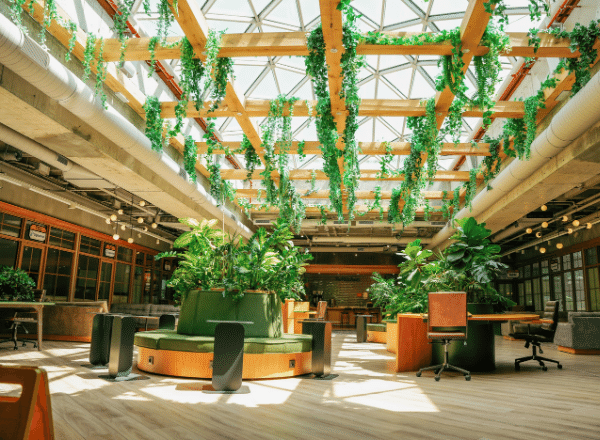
361	327
228	360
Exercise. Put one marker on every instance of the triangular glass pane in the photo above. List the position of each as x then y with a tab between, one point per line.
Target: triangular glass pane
305	92
448	24
365	131
382	133
230	27
259	5
246	75
367	90
386	61
310	10
267	89
287	80
369	9
446	7
231	8
286	12
396	12
400	79
384	92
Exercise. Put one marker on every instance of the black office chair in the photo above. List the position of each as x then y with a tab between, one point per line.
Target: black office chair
535	334
19	319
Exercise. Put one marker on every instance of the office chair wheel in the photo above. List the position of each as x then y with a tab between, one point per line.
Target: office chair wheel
15	348
468	377
559	366
437	378
418	374
545	368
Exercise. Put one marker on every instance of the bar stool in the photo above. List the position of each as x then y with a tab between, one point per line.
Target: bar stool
346	313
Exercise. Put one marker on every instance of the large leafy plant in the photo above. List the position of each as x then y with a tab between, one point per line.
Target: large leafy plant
15	285
470	264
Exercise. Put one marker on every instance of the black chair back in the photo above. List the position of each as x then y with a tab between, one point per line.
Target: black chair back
551	312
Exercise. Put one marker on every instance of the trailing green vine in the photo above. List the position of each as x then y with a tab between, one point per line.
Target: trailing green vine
154	123
251	158
190	155
219	188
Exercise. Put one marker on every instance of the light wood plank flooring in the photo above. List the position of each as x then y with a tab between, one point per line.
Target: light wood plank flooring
366	401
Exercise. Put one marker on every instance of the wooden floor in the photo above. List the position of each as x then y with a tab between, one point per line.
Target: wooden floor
366	400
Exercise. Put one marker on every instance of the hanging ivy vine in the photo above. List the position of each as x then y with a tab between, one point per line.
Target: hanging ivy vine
219	188
190	155
154	123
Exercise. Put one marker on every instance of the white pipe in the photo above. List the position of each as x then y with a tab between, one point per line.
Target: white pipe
26	58
580	113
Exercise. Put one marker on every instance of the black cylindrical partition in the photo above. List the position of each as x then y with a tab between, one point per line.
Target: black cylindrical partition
101	333
321	345
121	346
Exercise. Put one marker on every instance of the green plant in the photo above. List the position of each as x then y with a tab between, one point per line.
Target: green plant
190	154
470	264
154	123
15	285
219	188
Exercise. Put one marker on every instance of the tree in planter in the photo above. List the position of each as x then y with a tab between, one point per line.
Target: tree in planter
470	264
15	285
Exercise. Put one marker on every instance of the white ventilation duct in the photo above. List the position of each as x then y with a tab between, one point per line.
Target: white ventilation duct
26	58
579	114
72	172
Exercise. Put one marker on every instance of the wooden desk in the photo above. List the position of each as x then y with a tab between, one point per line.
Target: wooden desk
480	352
26	305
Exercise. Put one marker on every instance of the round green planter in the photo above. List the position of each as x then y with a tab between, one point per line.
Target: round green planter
263	309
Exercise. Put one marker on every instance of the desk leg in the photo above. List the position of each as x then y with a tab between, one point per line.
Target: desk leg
40	326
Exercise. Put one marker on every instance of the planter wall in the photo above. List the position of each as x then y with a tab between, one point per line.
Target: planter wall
261	308
391	331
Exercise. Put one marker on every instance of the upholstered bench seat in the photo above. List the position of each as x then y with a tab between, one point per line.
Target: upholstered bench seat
376	327
171	340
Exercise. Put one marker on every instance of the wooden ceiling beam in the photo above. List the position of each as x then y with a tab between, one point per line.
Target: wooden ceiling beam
365	175
265	44
252	193
370	148
369	107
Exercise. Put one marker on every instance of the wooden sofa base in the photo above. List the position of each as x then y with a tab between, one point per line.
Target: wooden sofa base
379	337
577	350
197	365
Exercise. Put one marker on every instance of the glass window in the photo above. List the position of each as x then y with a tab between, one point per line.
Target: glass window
528	293
139	258
594	287
555	265
566	260
31	262
537	294
87	278
569	293
105	277
62	238
557	284
10	225
545	269
122	277
577	259
591	256
535	270
90	245
158	288
579	291
546	293
527	271
138	285
8	252
125	254
58	274
36	232
110	250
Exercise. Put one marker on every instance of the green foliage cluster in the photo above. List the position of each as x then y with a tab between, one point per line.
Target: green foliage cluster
214	259
470	264
219	188
190	155
15	285
154	123
251	158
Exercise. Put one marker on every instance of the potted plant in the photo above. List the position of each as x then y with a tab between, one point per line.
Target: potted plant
15	285
470	265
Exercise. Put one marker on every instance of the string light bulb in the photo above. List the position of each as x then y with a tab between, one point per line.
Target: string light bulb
142	203
544	225
130	240
140	219
538	234
145	229
120	212
542	250
565	218
529	230
107	220
588	226
113	217
122	227
575	223
154	225
116	236
544	208
569	230
559	245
